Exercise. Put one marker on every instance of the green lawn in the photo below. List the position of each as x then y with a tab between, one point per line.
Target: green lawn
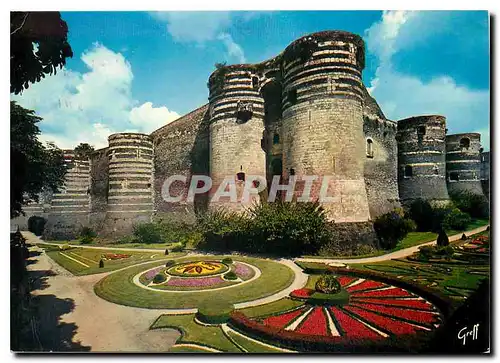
272	308
159	246
191	332
85	261
119	288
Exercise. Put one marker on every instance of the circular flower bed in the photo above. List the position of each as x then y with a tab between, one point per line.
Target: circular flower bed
374	311
198	268
197	275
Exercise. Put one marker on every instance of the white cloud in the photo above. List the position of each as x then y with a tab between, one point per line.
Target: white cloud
233	49
202	27
194	26
150	118
403	95
88	107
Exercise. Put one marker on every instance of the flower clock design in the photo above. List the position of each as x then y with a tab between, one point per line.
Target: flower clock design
198	268
374	310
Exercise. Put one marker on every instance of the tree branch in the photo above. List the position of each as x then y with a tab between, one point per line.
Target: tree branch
20	26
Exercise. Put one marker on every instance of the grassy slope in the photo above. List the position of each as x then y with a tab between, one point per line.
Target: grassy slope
91	258
119	288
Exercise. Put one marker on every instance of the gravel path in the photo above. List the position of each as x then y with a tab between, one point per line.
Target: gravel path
99	324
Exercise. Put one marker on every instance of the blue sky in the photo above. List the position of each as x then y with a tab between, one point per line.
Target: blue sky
136	71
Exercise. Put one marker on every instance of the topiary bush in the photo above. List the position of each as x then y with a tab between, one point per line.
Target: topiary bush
476	205
392	227
456	220
328	284
230	276
442	239
36	225
169	263
227	260
159	278
214	311
101	263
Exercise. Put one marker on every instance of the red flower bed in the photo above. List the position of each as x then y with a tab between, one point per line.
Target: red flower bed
413	315
393	292
280	321
365	285
302	293
115	256
345	280
351	326
314	324
388	324
407	303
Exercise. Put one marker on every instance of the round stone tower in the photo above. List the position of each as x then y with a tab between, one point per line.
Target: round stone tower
69	210
322	123
421	158
463	162
130	195
236	129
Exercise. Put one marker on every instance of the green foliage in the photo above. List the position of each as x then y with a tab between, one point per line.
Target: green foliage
166	251
178	247
421	212
35	168
319	298
36	225
425	253
87	235
214	311
127	239
327	284
392	227
288	228
476	205
163	231
169	263
66	247
230	276
159	278
50	35
223	230
101	263
227	260
83	151
148	233
442	239
456	220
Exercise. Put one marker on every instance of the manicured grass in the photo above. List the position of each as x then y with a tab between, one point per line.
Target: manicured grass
191	332
251	346
97	243
88	259
271	308
119	288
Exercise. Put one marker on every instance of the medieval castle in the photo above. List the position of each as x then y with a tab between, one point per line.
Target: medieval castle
304	112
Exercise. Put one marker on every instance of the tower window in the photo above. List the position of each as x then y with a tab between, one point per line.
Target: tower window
276	139
408	171
369	148
454	176
292	96
292	171
240	176
255	82
465	143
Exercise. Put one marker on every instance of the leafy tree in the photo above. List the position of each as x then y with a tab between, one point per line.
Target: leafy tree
34	168
83	150
38	45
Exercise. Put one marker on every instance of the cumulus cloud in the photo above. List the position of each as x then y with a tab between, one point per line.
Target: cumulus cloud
88	107
403	95
201	27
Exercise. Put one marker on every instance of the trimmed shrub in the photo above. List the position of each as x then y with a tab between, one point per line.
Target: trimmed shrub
422	213
101	263
476	205
456	220
328	284
159	278
464	237
166	251
169	263
214	311
230	276
224	231
148	233
319	298
442	239
227	261
36	225
392	227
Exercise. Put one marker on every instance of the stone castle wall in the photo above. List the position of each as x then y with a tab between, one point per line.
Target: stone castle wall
303	112
422	158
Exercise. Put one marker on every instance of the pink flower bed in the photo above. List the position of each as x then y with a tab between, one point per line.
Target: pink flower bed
195	282
243	271
150	274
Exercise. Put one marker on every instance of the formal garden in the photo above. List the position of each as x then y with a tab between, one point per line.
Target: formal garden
279	278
